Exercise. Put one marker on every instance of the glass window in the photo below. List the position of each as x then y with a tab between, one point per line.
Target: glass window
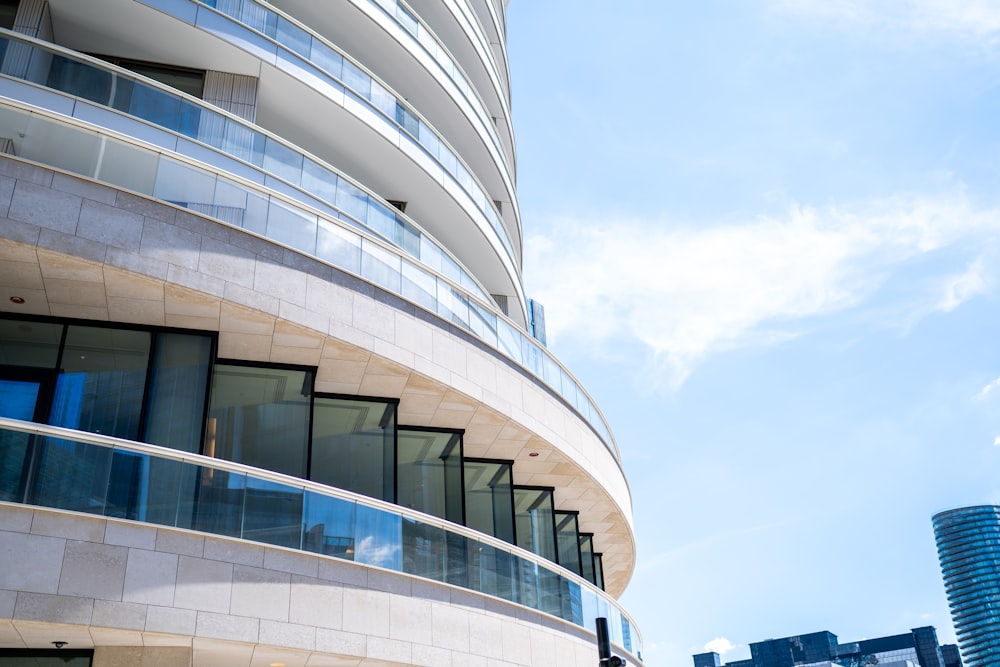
534	520
102	381
45	658
260	417
489	498
175	410
568	540
34	344
429	472
188	81
353	445
599	571
587	557
8	11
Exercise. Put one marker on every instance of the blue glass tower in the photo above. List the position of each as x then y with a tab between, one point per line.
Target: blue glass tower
968	543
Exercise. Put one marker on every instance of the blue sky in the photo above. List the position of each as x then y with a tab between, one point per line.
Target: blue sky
766	235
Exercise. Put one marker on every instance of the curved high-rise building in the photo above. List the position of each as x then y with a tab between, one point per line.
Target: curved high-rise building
968	543
271	392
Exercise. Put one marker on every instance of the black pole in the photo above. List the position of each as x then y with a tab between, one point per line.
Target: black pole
603	640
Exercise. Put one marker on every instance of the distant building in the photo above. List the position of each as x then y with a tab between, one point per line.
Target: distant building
918	648
968	544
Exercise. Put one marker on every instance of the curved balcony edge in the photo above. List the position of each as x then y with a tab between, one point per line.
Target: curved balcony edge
189	491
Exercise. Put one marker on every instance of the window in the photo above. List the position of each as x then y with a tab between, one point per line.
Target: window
260	417
429	472
489	498
534	520
353	444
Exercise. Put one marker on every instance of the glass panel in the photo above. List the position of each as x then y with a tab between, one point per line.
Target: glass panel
587	557
424	549
568	540
282	161
102	381
292	226
535	526
169	493
80	79
353	444
294	37
273	513
128	166
380	266
182	184
339	246
33	344
46	658
429	473
15	448
599	571
217	505
126	486
489	498
18	399
8	11
186	81
329	526
175	410
378	538
419	286
492	571
71	476
260	417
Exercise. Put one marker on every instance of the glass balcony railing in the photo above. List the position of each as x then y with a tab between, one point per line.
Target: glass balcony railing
115	88
336	75
81	472
329	237
421	38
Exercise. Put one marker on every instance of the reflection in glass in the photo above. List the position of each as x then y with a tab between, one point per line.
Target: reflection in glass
378	538
118	482
102	381
568	540
175	409
260	417
534	520
429	472
34	344
70	475
217	505
273	513
489	498
587	557
353	445
329	526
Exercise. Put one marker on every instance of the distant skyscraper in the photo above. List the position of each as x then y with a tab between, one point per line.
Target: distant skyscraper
918	648
968	543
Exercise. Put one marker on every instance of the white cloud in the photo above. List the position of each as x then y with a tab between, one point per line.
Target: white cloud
689	292
988	389
961	287
967	19
996	441
720	645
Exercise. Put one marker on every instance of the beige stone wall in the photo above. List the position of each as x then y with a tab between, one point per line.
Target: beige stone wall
74	248
149	595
